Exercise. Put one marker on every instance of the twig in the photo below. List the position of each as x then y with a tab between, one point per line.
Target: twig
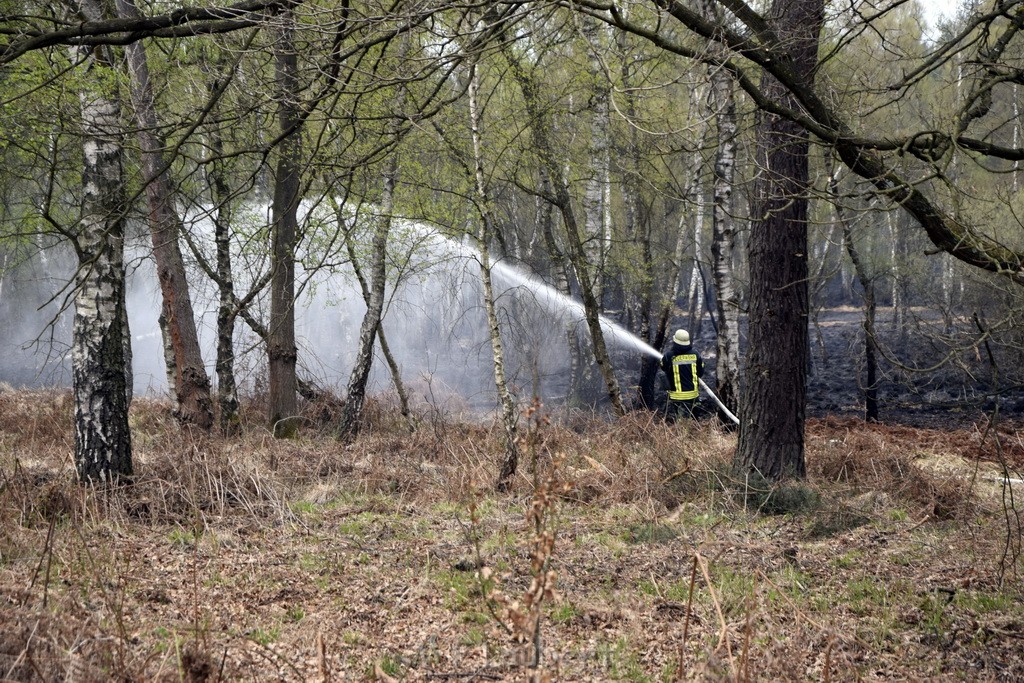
686	622
723	636
462	674
321	652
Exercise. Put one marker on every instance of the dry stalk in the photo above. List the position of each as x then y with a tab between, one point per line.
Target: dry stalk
723	634
522	617
686	622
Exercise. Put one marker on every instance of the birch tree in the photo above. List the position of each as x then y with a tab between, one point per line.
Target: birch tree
506	400
103	448
723	241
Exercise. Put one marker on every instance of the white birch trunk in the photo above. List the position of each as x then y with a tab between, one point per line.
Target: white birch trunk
595	226
723	243
695	294
505	398
899	309
1016	137
103	451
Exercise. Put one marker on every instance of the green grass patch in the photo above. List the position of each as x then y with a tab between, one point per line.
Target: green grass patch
649	533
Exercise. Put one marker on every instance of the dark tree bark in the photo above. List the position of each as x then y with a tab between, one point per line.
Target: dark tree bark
868	284
103	447
351	420
281	351
773	405
191	383
385	349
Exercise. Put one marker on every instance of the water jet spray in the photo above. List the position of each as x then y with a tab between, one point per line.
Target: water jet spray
558	302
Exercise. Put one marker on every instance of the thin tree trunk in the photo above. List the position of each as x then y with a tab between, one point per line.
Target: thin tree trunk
350	422
577	257
355	396
723	242
594	197
396	373
192	384
695	292
281	351
227	391
559	272
509	418
773	406
818	279
897	252
636	228
1016	137
868	284
170	367
103	447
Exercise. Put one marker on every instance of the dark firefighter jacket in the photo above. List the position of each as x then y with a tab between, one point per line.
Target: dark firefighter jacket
682	366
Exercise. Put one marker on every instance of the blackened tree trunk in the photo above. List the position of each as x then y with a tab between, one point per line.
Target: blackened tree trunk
281	351
637	228
773	405
351	419
867	282
385	349
191	383
103	447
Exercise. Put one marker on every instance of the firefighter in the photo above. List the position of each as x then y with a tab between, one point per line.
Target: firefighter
682	366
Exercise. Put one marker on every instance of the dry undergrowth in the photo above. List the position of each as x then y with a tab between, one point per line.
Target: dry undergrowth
629	556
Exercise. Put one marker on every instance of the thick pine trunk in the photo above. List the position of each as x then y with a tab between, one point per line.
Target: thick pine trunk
281	351
191	383
773	406
103	448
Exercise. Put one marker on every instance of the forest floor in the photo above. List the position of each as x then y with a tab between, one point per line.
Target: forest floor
633	556
624	551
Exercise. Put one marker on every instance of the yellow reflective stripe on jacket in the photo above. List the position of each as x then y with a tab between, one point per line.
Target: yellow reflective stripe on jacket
684	365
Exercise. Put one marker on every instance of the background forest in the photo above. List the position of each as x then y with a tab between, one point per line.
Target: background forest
291	176
306	261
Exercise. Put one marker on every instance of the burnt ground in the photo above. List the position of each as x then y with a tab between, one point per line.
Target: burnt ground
931	377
